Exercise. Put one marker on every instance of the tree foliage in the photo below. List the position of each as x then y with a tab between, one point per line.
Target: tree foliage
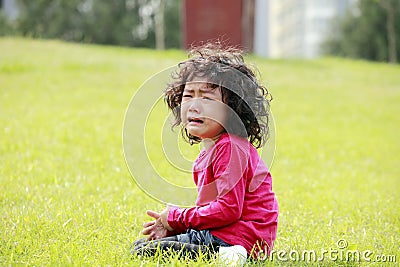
371	30
5	25
116	22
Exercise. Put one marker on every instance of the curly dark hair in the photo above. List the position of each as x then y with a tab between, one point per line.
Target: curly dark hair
224	68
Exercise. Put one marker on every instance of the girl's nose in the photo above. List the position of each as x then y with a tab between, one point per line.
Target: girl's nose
194	105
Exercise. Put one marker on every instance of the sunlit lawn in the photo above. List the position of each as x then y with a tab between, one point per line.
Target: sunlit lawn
67	197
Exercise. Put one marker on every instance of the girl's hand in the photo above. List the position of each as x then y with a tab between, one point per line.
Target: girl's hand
156	229
164	219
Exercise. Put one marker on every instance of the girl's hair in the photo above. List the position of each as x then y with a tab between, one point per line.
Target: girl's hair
224	68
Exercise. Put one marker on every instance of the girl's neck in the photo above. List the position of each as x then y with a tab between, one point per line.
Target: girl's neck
209	142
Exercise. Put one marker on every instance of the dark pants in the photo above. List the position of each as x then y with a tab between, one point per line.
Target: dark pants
192	243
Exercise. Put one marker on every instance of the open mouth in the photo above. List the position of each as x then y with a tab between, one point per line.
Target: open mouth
195	120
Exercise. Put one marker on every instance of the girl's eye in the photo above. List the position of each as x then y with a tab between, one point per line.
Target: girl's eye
207	98
187	96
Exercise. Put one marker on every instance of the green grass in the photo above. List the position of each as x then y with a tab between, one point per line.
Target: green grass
66	195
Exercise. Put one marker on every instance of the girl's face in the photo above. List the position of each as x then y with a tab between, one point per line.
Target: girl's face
202	111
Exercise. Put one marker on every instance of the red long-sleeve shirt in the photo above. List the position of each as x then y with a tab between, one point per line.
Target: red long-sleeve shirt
235	198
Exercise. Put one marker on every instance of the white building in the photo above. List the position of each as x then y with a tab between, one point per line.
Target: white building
294	28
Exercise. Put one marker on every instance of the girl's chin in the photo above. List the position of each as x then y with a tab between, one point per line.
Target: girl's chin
196	134
202	133
195	129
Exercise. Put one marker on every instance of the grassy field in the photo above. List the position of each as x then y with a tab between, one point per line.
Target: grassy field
67	197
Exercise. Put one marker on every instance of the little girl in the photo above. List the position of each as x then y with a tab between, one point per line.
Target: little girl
218	101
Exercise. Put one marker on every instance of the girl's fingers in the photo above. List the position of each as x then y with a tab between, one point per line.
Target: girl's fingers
148	230
151	237
147	224
153	214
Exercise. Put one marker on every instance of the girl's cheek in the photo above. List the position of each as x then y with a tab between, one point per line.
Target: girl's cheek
183	113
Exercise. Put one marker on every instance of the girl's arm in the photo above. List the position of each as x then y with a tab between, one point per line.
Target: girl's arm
221	212
229	164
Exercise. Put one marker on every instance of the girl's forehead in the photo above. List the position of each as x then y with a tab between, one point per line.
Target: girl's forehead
200	82
200	86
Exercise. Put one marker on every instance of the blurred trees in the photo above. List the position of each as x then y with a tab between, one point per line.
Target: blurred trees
5	26
371	31
116	22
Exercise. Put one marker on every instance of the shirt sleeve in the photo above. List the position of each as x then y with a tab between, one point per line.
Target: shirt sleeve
229	165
